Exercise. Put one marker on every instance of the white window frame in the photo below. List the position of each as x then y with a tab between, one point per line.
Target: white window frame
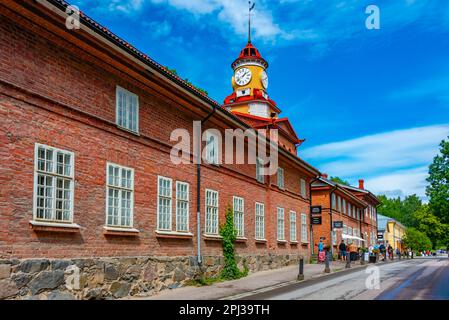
128	94
280	178
120	189
239	216
280	224
212	147
53	175
345	229
259	218
304	231
293	231
339	203
334	237
169	198
184	201
303	188
349	209
214	224
343	204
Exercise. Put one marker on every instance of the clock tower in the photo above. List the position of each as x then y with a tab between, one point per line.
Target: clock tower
250	100
250	84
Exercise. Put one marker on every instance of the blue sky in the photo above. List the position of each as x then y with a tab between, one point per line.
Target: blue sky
371	104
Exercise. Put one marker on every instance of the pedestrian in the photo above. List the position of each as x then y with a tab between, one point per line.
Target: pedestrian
352	251
320	246
398	253
390	252
383	251
342	249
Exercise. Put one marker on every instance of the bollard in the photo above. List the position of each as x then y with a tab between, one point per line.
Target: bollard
301	269
327	268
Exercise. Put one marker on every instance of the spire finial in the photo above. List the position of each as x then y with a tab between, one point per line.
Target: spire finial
250	8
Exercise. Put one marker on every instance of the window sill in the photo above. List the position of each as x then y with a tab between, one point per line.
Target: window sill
241	239
115	231
304	243
212	237
54	226
281	241
261	240
128	130
173	234
294	242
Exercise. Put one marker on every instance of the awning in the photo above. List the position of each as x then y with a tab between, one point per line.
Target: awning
347	236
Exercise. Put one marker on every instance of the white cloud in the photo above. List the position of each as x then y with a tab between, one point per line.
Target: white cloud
389	161
400	183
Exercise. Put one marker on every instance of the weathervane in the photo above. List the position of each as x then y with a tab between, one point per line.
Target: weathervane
250	8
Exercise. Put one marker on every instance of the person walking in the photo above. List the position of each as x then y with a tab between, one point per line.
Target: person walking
320	246
342	249
390	252
383	251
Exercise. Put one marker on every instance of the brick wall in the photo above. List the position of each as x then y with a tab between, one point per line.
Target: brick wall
54	93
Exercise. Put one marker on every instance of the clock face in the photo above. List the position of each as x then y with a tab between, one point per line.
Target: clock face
242	76
264	79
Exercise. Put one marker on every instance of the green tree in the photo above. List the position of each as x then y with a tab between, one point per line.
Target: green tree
429	224
438	188
339	180
416	240
401	210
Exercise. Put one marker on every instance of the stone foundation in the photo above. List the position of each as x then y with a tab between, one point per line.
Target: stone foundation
113	278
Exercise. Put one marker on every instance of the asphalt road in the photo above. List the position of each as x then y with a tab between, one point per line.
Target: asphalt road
420	278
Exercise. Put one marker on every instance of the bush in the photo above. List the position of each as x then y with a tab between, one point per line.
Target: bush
227	231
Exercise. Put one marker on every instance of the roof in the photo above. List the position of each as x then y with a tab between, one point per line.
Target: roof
364	191
118	43
320	182
382	222
250	53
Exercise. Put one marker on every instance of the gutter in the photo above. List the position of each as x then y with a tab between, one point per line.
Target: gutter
330	215
198	188
310	204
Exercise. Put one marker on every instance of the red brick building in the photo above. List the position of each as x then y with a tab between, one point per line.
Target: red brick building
353	209
86	175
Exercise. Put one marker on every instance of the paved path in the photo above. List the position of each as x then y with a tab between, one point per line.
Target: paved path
423	278
253	283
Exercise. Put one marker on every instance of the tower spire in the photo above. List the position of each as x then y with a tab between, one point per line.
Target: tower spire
250	8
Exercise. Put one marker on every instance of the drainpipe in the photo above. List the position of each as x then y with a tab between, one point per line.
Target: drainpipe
310	215
198	187
331	219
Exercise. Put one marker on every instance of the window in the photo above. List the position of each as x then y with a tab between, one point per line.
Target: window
211	212
303	188
353	212
120	189
281	178
349	210
164	203
281	225
259	175
334	201
182	206
334	238
239	216
260	221
345	229
339	204
350	231
211	148
127	109
344	205
293	226
53	184
304	227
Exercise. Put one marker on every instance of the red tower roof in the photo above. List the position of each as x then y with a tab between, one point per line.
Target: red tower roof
250	53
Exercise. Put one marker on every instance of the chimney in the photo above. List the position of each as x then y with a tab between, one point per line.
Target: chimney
324	175
362	184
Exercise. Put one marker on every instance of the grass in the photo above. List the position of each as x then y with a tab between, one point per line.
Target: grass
204	281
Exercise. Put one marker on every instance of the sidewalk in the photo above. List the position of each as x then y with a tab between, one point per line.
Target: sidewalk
253	282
